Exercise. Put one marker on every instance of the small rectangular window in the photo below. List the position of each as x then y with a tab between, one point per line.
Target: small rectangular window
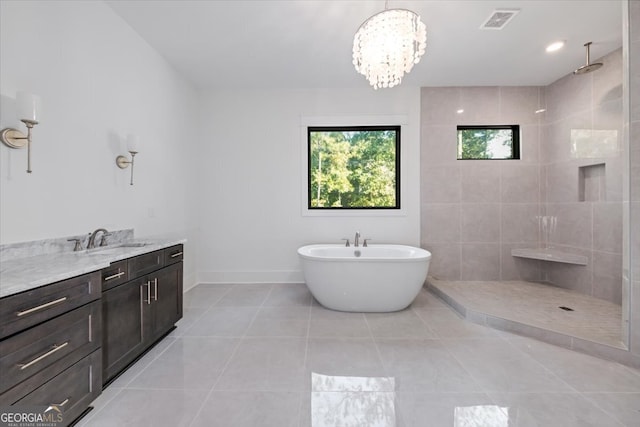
488	142
354	167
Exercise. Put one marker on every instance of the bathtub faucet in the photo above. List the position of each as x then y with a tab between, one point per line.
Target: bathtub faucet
356	239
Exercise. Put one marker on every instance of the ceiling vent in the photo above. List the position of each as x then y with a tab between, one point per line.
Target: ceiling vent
499	19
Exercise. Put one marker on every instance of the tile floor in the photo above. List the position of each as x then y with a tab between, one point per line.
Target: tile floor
537	304
269	355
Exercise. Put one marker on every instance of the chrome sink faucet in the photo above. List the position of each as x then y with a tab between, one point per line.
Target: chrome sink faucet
356	239
92	239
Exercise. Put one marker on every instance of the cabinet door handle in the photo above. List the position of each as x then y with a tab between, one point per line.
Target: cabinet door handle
43	356
40	307
155	286
114	276
148	300
176	254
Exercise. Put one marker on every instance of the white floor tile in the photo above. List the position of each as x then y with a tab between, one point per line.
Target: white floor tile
266	364
552	410
151	407
250	409
496	366
190	363
424	365
223	322
403	324
243	356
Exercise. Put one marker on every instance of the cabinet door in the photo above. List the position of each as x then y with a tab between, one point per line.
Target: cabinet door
123	315
166	295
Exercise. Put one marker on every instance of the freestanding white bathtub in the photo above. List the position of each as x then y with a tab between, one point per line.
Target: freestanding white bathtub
377	278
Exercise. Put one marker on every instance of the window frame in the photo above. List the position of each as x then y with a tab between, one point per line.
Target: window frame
515	142
355	128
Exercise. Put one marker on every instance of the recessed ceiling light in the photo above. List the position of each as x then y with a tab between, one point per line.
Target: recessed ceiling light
541	110
555	46
460	111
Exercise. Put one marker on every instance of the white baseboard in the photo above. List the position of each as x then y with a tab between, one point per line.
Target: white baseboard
188	282
277	276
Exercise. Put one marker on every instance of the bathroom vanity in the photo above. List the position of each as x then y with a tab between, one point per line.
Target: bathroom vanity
141	302
71	322
50	348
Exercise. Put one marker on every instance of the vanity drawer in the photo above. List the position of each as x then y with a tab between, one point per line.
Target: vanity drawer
72	391
69	337
114	275
146	263
173	254
20	311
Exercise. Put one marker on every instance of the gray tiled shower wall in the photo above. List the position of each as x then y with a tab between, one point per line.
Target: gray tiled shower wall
634	171
474	212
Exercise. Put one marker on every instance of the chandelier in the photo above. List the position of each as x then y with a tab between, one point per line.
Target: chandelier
387	45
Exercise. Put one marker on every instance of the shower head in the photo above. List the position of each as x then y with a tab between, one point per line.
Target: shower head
588	67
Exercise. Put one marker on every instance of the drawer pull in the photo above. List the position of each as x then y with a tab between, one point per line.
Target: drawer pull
40	307
61	404
43	356
114	276
155	285
176	254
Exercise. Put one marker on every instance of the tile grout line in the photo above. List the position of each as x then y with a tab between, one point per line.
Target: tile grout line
126	385
97	411
174	338
384	368
546	368
595	402
306	353
233	353
207	309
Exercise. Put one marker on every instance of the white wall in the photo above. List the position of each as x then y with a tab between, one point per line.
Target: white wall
251	190
98	81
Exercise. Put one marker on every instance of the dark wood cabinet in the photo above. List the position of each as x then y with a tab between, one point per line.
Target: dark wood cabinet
136	314
60	343
50	348
114	275
25	309
76	386
143	264
165	307
68	337
122	332
173	254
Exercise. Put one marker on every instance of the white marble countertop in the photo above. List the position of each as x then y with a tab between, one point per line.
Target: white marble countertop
23	274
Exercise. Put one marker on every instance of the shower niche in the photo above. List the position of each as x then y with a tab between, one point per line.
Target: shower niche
592	185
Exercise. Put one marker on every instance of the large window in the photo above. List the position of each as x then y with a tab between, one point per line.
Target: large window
354	167
488	142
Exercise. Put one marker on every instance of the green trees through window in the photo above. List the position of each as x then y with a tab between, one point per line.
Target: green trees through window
354	167
488	142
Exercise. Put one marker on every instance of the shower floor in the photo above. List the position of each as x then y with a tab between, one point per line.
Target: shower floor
533	309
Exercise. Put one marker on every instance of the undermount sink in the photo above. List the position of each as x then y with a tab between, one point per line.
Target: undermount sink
133	245
105	250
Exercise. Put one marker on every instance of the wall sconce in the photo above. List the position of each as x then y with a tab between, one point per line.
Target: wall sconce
122	161
28	111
